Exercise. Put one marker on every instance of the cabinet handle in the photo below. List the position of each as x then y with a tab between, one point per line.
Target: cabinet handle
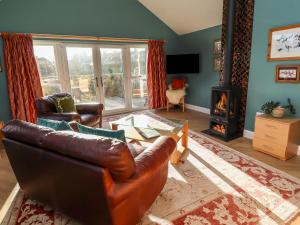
267	146
269	136
271	126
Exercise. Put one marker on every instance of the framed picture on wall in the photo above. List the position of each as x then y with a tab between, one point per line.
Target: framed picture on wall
287	73
217	59
217	64
284	43
217	47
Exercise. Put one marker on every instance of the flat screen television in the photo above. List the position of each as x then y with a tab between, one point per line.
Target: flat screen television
188	63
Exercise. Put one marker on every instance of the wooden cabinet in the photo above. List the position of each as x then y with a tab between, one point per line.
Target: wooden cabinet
277	137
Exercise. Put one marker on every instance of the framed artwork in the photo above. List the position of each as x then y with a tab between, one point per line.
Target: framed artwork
217	64
284	43
217	47
287	73
217	60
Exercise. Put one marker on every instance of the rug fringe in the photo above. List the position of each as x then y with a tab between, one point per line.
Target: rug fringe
7	205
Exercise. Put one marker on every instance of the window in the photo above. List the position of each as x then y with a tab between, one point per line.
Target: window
81	73
139	77
45	58
114	75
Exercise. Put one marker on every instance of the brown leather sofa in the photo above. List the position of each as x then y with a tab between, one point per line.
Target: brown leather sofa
87	114
95	180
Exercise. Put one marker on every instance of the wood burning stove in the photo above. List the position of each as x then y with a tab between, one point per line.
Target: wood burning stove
224	114
224	111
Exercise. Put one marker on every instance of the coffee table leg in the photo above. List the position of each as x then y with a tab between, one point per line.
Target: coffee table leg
178	152
184	139
114	126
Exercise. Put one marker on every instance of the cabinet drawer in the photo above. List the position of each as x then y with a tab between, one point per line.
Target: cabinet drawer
277	137
269	147
271	126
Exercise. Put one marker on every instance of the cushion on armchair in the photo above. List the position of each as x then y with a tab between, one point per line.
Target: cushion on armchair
178	84
64	104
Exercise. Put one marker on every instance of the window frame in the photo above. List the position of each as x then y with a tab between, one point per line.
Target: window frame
62	68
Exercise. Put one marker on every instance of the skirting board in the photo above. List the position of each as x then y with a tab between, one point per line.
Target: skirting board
247	133
198	108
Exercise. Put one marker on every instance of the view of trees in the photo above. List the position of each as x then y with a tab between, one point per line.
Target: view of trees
80	64
47	68
81	72
138	61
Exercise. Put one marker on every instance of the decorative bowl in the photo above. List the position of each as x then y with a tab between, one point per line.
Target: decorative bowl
278	112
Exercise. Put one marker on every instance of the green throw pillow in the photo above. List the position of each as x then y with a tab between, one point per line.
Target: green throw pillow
64	104
118	134
54	124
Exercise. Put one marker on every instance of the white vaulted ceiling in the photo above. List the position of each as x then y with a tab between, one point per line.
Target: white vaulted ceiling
186	16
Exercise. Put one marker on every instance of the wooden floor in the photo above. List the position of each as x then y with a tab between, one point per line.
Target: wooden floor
7	178
197	122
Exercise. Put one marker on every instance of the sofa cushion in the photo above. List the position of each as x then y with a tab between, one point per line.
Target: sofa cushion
104	152
118	134
54	124
25	132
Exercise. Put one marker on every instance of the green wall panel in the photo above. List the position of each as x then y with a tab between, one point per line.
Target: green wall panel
112	18
269	14
199	90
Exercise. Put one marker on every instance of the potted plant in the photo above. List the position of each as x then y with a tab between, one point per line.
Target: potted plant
276	110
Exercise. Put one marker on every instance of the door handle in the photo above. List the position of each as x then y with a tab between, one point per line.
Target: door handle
101	82
97	82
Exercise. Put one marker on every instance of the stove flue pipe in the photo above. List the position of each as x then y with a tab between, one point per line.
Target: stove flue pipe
228	47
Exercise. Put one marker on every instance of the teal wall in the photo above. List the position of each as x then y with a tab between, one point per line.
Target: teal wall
4	106
269	14
199	90
128	18
112	18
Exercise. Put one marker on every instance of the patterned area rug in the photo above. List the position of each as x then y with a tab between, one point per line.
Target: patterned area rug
212	185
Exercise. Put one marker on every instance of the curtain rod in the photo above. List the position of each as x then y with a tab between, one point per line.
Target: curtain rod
87	38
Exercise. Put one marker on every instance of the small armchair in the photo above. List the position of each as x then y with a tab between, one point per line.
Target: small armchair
87	114
176	93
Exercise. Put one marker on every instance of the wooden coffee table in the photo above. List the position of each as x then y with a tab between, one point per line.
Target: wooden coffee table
132	124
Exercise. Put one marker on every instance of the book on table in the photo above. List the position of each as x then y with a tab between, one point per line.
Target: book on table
149	133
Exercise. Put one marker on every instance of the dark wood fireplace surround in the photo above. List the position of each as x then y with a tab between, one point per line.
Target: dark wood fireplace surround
224	111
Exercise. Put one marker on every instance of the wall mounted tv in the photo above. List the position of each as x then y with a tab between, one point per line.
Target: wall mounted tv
188	63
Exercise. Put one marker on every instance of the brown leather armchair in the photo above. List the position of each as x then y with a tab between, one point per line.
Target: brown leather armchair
87	114
95	180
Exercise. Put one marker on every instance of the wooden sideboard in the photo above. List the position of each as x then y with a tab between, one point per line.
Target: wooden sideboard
277	137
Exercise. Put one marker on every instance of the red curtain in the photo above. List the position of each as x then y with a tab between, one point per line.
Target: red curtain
23	79
156	79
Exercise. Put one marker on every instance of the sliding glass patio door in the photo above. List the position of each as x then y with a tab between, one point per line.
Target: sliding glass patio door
83	80
138	79
113	78
114	75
